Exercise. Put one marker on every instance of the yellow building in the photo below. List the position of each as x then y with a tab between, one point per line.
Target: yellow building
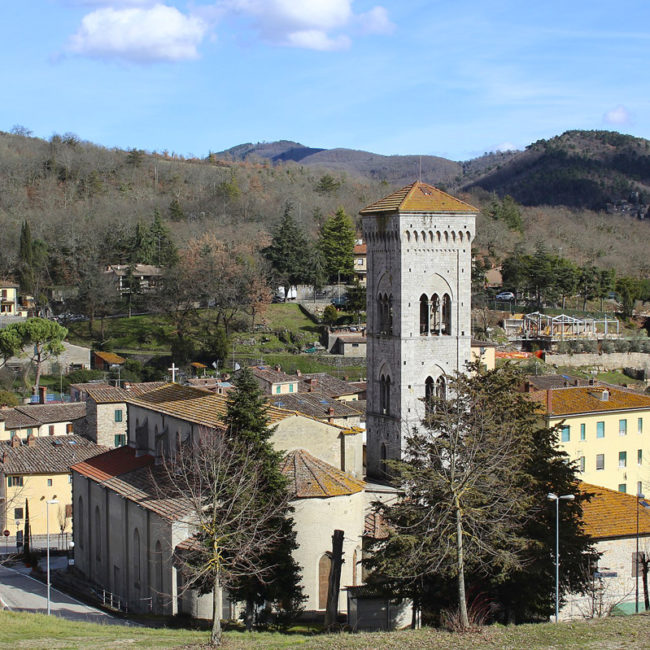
9	305
605	430
36	471
55	419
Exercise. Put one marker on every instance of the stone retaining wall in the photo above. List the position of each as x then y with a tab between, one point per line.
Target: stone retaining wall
611	361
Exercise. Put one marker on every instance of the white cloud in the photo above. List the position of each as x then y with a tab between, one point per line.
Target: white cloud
142	35
619	116
375	21
310	24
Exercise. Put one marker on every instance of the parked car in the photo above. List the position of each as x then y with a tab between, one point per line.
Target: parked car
505	295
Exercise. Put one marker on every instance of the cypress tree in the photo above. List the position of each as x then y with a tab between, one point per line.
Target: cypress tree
247	419
336	244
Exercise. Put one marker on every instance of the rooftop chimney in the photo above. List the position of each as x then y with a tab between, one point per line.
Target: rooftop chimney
31	440
277	367
330	410
298	373
42	394
15	442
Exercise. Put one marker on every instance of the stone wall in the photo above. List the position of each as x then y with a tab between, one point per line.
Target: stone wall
612	361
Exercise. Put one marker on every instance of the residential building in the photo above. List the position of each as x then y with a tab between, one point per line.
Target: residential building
333	387
419	242
40	420
320	406
135	278
350	344
9	305
105	419
273	381
485	353
36	470
610	518
604	430
360	262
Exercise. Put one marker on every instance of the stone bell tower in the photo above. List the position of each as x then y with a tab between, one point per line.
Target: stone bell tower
419	242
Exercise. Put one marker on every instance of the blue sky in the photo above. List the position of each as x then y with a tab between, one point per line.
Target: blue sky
395	77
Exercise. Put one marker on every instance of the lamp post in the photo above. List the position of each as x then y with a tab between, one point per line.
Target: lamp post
636	571
48	503
551	496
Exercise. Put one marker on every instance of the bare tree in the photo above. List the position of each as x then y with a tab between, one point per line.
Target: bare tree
218	477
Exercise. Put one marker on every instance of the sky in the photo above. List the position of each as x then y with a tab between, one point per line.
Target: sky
453	79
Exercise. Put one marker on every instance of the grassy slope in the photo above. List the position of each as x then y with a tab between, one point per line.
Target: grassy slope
19	630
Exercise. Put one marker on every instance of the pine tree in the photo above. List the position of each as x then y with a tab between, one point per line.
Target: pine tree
286	252
336	244
159	243
247	419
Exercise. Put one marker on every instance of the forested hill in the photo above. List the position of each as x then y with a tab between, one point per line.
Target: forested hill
597	170
395	170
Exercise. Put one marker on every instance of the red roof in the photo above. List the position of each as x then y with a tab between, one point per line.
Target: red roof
360	249
112	463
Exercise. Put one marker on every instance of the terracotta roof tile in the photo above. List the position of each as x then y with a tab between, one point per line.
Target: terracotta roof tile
272	376
47	455
587	399
195	405
34	415
314	404
613	514
110	357
324	383
419	197
135	478
105	394
309	477
360	249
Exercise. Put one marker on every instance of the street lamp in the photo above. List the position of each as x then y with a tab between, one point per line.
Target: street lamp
551	496
48	503
636	572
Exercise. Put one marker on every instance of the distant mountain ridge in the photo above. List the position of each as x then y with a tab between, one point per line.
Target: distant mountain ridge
392	169
596	170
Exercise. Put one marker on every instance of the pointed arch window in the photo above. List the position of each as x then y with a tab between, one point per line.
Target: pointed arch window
428	395
425	315
441	388
384	394
435	316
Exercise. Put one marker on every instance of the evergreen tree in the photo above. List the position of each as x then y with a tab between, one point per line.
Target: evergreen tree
287	251
26	259
159	244
247	420
176	211
336	244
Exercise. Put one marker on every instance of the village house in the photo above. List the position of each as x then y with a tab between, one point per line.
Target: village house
105	420
273	381
128	533
333	387
40	420
9	305
610	518
36	470
135	278
347	344
360	262
320	406
603	429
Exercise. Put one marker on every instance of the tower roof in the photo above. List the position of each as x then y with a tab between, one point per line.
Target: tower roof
419	197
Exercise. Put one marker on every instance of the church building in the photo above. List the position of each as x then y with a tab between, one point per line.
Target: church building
419	242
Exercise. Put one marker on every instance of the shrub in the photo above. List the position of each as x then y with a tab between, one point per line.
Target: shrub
607	347
621	345
8	398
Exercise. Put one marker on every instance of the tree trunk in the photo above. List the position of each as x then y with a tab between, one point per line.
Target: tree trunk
215	635
462	599
38	361
250	612
334	579
645	561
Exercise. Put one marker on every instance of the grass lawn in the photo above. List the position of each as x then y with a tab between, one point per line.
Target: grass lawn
19	630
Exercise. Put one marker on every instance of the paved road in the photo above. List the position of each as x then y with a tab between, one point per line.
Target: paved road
20	592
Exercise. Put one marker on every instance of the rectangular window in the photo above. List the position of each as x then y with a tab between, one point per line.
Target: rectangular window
622	488
581	464
566	433
118	415
291	388
639	425
51	429
639	456
600	429
278	389
120	439
18	513
600	461
49	482
69	428
583	431
622	427
622	458
29	432
14	481
68	511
